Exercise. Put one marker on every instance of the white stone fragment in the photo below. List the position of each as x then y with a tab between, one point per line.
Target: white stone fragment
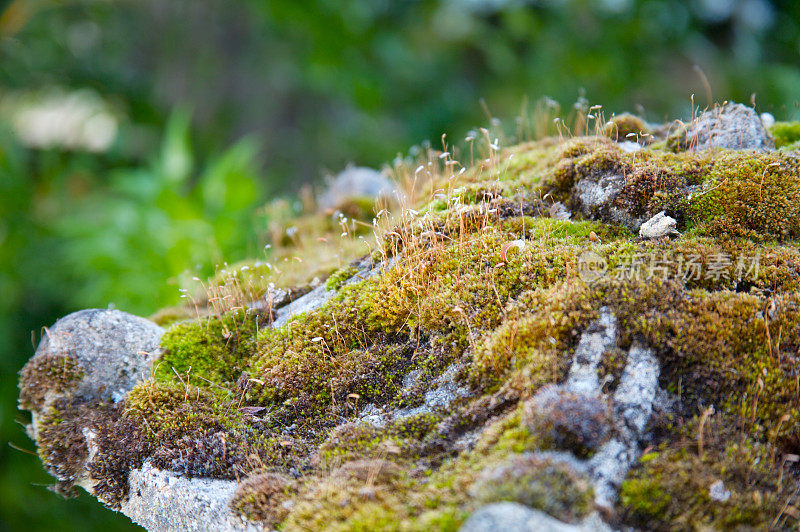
659	226
717	492
629	146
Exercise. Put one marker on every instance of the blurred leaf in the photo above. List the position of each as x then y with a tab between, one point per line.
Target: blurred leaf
226	186
176	152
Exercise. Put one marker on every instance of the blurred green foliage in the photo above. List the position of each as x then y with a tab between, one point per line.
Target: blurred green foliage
70	240
280	91
161	217
322	82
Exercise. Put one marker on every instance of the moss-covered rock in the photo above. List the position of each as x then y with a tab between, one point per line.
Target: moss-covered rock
441	381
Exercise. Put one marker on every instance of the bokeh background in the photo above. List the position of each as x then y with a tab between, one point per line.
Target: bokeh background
139	138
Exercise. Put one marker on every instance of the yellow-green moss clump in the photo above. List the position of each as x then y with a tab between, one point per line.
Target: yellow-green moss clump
720	479
214	349
786	134
339	277
484	291
535	482
626	127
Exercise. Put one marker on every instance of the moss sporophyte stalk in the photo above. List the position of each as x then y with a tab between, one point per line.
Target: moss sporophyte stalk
332	421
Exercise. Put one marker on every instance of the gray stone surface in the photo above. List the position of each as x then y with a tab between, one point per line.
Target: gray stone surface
513	517
307	303
633	399
320	295
767	119
733	126
659	226
600	336
559	211
114	349
440	394
632	405
355	182
595	200
443	391
162	501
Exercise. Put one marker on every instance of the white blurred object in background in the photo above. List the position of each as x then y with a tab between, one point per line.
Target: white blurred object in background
78	120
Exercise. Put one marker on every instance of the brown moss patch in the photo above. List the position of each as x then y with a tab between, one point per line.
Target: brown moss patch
264	497
45	374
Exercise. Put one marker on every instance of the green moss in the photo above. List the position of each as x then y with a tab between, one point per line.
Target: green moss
339	277
750	195
521	343
552	488
626	127
213	349
401	441
342	505
562	230
785	133
671	488
175	408
351	442
46	374
509	435
446	519
644	497
327	359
